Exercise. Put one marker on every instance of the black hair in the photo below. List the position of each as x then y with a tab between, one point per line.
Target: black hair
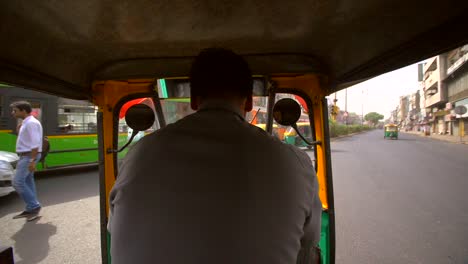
22	106
217	72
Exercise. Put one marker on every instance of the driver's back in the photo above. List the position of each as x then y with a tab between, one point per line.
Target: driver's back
212	188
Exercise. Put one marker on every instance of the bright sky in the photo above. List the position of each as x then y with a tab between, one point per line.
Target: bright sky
380	94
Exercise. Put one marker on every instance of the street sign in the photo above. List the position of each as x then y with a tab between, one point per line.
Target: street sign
460	110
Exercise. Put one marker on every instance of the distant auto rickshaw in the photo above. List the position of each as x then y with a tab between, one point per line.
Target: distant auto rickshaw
291	137
391	131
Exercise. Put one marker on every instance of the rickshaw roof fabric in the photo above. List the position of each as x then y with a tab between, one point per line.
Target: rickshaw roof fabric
61	47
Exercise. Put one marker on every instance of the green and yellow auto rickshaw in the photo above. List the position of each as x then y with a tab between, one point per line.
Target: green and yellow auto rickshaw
391	131
292	137
112	52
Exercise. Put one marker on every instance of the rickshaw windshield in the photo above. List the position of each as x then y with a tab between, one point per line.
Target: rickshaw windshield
174	109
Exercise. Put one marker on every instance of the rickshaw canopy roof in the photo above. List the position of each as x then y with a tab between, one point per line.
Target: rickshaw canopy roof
61	47
391	125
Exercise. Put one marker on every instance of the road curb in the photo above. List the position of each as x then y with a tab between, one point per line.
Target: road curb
349	135
454	141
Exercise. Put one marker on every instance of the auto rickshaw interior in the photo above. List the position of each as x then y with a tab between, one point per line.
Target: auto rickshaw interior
116	52
169	102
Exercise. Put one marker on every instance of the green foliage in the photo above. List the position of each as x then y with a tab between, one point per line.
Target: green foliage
337	129
354	119
373	118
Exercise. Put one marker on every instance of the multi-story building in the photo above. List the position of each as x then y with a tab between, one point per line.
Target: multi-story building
414	112
457	89
445	87
422	103
435	93
403	112
394	116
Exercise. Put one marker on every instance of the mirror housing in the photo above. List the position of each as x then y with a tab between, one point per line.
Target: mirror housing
139	117
286	112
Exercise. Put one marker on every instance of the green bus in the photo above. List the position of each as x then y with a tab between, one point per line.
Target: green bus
70	126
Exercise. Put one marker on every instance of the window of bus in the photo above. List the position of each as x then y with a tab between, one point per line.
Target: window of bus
76	117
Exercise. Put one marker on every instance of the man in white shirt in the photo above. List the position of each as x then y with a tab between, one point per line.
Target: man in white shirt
29	148
212	188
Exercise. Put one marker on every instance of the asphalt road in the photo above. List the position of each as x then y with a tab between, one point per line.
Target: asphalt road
400	201
397	201
68	230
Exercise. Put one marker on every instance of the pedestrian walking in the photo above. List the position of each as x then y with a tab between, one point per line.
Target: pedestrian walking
29	148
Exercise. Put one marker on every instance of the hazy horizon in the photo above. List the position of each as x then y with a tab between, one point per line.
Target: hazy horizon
380	94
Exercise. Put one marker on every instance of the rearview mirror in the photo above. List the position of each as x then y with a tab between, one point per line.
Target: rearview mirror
139	117
286	112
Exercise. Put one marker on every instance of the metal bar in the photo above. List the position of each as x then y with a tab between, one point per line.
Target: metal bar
72	150
102	190
158	107
330	198
271	104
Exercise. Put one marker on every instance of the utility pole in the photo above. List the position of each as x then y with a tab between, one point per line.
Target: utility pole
334	108
346	106
362	107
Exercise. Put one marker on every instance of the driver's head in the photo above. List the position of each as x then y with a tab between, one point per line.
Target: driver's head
219	73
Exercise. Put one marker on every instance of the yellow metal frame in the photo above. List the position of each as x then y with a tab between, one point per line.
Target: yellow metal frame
309	84
107	94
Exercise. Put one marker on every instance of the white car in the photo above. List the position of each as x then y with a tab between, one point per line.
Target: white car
8	162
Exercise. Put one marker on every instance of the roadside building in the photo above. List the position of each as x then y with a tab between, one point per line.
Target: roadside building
423	111
457	89
435	93
414	112
445	86
394	116
403	112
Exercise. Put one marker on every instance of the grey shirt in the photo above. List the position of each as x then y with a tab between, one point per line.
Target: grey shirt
211	188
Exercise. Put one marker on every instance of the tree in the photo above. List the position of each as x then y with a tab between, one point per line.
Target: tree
373	118
353	119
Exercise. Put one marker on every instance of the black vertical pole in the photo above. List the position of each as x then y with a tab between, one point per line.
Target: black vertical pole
271	104
102	189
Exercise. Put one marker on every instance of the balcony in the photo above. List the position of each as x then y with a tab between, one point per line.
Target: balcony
431	91
434	96
457	64
432	79
430	65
